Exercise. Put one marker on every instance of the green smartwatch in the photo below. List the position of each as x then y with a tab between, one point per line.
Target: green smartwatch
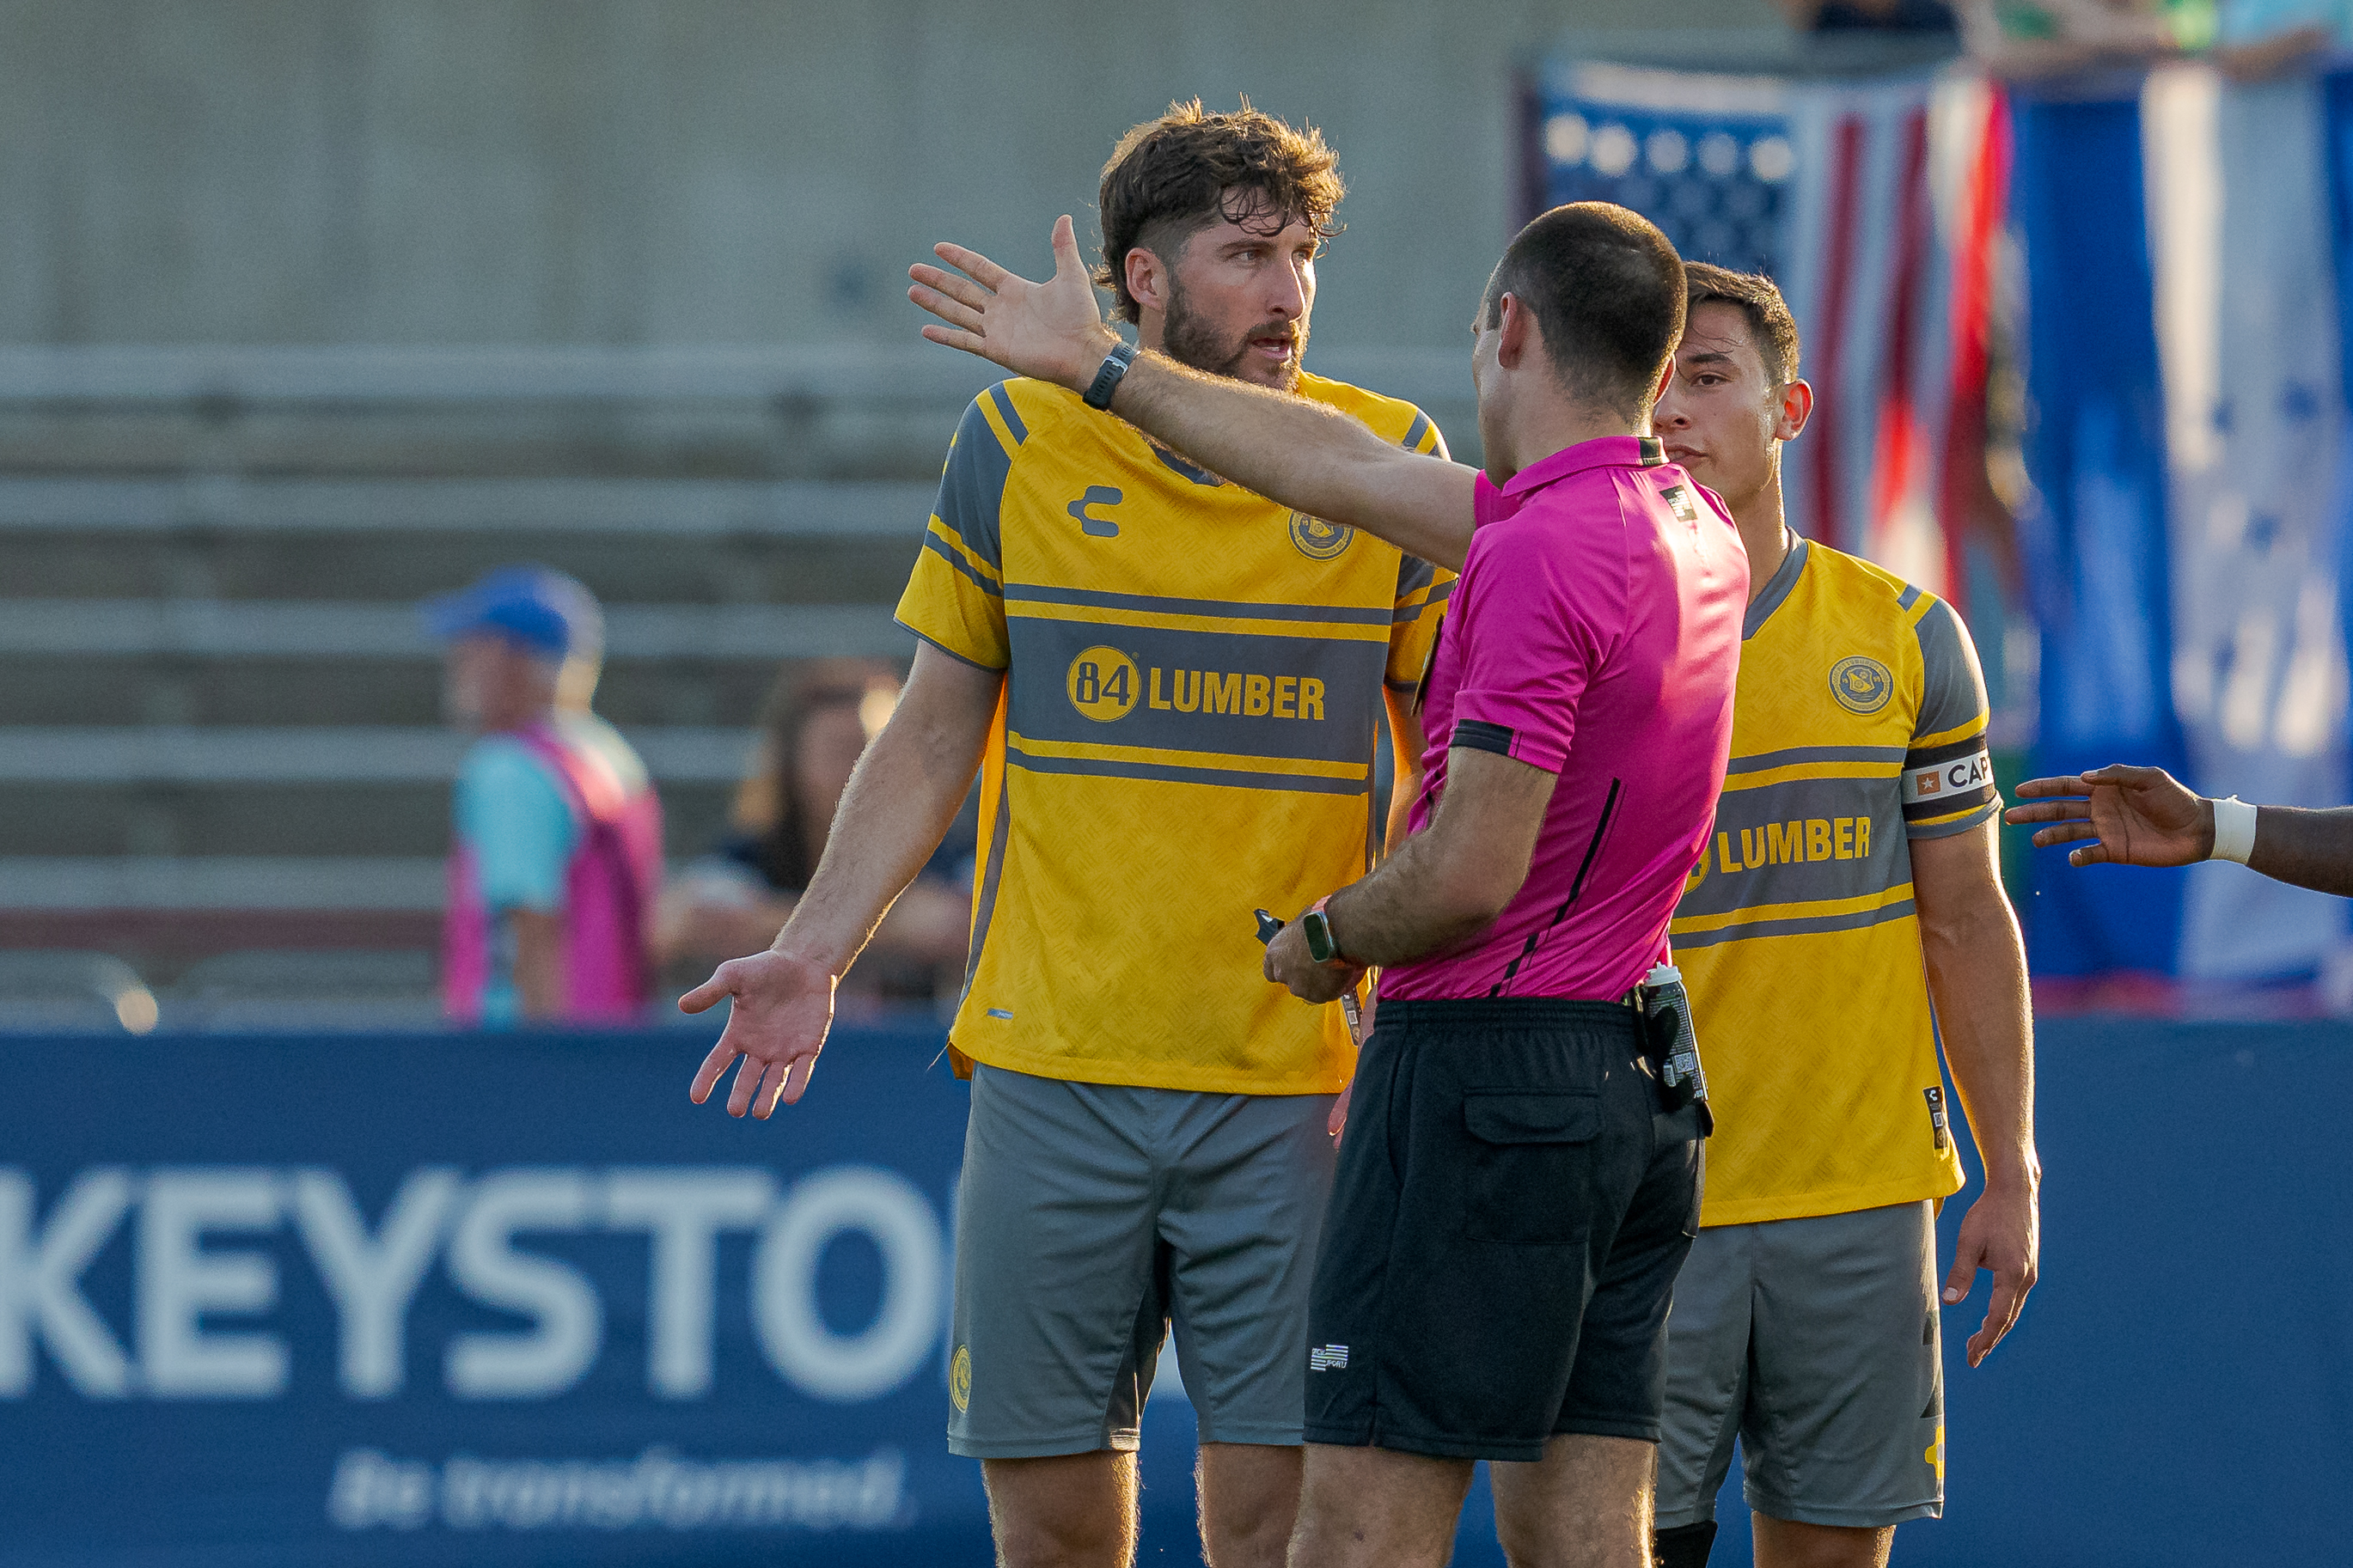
1315	926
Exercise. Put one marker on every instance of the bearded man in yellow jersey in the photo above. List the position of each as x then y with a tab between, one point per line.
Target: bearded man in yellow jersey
1170	687
1848	913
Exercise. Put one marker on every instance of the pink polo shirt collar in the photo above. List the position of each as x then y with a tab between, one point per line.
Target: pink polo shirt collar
1601	452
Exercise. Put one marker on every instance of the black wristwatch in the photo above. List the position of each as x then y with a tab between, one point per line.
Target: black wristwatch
1315	926
1108	374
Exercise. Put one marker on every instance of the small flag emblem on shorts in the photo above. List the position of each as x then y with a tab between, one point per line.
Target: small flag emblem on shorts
1328	1358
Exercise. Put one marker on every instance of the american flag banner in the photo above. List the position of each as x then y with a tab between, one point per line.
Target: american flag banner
1875	205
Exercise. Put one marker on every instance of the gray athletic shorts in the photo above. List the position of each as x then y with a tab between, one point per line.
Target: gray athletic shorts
1089	1218
1815	1343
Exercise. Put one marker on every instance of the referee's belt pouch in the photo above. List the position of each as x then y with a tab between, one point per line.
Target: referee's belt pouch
1673	1048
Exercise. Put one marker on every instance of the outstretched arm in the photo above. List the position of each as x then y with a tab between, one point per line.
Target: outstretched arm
1287	448
2145	816
901	799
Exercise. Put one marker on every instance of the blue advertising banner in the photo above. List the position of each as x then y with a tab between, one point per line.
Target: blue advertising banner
508	1300
472	1299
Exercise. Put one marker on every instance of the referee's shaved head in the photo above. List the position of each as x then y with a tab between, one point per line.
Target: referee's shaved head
1608	288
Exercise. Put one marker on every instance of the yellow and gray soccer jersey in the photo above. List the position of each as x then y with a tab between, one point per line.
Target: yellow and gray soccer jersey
1193	676
1859	726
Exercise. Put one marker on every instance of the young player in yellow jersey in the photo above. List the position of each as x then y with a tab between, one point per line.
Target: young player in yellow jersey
1170	687
1848	914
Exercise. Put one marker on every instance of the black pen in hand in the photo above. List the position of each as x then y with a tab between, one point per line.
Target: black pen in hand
1268	925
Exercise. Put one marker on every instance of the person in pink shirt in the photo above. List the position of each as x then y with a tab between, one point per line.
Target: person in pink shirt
1519	1184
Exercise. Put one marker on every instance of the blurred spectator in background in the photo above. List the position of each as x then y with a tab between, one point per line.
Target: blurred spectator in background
2048	37
2256	39
557	857
817	721
1869	15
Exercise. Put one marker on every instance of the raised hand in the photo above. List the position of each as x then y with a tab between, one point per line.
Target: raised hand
783	1005
1052	331
2135	817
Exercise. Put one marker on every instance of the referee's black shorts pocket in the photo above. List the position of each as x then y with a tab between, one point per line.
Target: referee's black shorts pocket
1531	1166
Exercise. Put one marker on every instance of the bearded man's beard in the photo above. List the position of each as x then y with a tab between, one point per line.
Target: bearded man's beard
1190	340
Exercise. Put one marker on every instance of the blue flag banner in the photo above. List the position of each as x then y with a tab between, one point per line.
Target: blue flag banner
2238	176
2094	533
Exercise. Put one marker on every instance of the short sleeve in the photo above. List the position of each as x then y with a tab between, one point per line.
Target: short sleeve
1422	589
956	595
1529	646
521	828
1948	784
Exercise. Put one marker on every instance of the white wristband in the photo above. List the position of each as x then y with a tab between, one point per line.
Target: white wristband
2234	830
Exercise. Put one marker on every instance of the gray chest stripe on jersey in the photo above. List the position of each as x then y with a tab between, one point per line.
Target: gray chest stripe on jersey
1169	773
1203	691
1804	925
1234	609
984	903
1793	756
1784	844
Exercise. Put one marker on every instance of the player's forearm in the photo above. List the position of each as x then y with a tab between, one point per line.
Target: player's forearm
1304	455
901	799
1977	978
2306	848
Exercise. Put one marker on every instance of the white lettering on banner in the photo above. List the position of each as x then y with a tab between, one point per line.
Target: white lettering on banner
794	1334
184	1272
684	1210
658	1490
550	1358
372	1279
39	1282
179	1281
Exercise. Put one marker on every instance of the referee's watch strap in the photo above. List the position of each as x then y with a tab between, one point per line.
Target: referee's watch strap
2234	830
1107	375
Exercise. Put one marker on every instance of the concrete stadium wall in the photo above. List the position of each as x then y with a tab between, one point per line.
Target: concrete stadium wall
697	171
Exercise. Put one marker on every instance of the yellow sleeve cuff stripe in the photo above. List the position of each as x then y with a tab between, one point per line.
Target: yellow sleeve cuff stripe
1970	731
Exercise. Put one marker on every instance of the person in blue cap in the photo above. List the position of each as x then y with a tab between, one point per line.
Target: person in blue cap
555	861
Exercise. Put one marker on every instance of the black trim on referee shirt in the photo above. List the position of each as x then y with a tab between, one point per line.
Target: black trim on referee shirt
1477	735
1609	806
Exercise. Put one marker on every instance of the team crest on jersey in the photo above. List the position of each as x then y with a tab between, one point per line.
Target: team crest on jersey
1860	684
1316	539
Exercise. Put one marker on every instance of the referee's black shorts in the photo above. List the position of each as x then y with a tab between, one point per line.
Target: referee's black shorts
1509	1213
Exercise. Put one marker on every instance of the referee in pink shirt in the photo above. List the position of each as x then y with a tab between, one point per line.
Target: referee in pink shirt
1516	1190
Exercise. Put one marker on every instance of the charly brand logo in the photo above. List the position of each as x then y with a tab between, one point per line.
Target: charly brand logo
1316	539
960	1377
1860	684
1103	684
1082	508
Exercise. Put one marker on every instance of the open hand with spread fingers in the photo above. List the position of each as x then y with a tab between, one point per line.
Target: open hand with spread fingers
1052	331
2133	816
783	1005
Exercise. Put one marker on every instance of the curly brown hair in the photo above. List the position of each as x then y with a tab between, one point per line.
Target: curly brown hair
1171	177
